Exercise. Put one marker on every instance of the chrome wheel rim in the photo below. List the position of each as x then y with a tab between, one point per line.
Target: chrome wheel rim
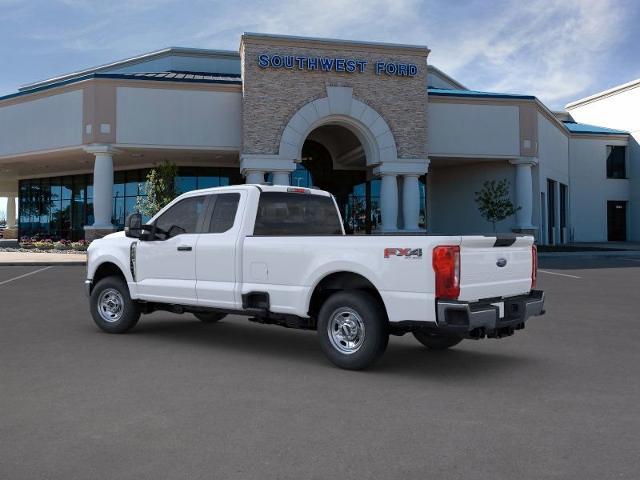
111	305
346	330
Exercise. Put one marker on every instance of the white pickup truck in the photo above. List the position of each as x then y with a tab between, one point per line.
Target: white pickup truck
280	255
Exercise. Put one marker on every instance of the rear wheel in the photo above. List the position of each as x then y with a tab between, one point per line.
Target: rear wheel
111	306
436	342
209	317
352	329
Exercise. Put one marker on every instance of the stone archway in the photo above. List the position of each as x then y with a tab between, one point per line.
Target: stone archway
340	108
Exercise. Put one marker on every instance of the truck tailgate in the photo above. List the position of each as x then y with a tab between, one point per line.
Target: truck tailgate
495	266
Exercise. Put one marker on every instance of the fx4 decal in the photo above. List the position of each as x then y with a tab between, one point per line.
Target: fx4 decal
403	252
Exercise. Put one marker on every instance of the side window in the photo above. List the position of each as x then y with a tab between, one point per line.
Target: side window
281	213
224	211
183	217
616	161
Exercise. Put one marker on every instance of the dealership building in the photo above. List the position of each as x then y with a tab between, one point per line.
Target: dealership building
401	145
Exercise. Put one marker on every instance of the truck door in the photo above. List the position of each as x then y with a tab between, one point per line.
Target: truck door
217	252
166	266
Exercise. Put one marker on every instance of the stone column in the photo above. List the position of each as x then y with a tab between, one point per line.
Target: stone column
11	232
102	191
281	178
254	176
389	202
11	212
524	193
409	170
411	201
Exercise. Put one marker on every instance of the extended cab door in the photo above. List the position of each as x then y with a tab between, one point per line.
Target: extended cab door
217	251
166	266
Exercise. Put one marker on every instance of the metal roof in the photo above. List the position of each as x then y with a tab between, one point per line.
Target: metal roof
444	92
176	75
575	127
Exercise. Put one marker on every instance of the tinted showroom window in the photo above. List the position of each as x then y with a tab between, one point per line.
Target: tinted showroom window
281	213
183	217
224	211
616	162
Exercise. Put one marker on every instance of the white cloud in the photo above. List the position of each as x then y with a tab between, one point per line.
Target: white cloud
548	48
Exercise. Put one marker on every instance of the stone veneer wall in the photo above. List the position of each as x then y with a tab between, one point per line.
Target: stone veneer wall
271	96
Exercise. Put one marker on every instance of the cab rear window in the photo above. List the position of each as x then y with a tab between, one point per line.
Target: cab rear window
281	213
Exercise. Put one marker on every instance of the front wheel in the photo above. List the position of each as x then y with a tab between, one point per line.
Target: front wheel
111	306
436	342
352	329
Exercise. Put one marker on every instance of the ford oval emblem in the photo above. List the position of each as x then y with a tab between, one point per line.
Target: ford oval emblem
501	262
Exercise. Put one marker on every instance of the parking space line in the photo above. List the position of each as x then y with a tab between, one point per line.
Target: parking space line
25	275
556	273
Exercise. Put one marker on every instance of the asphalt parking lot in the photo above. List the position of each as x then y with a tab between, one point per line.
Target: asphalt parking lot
176	398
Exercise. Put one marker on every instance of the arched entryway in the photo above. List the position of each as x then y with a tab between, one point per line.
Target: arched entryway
342	145
333	159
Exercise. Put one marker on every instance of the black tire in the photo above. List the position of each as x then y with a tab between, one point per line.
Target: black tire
119	316
209	317
436	342
361	309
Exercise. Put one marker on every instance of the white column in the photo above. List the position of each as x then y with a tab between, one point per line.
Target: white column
102	186
254	176
280	178
389	202
410	201
524	192
11	212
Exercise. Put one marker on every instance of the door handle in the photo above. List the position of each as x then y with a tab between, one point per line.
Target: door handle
184	248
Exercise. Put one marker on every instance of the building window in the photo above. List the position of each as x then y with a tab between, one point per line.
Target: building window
563	212
60	207
616	162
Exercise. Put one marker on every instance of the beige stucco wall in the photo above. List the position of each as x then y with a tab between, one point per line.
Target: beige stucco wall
272	96
178	117
459	129
50	122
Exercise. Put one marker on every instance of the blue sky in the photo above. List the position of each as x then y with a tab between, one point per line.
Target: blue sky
557	50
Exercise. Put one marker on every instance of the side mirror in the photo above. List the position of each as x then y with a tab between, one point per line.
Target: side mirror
133	225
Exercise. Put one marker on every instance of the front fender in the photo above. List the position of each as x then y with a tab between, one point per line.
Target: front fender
101	254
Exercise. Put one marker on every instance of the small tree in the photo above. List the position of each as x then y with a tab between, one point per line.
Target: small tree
494	203
161	189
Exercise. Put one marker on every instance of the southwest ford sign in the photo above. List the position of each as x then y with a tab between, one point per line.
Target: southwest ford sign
331	64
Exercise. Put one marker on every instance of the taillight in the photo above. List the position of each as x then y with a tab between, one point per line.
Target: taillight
446	264
534	266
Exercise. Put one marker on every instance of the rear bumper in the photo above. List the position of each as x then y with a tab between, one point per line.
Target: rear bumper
479	319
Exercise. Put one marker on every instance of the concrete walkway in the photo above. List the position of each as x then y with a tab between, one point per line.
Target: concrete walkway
32	258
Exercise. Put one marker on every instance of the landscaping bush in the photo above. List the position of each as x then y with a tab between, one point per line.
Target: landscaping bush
80	245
